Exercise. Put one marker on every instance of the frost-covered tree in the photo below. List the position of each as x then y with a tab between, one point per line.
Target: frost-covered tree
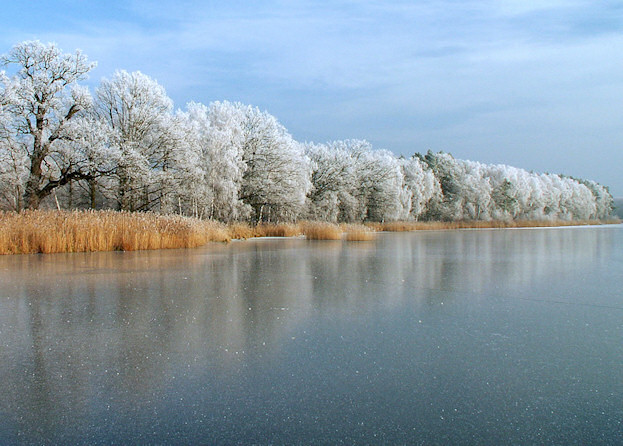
352	182
91	152
602	198
148	137
473	190
450	175
577	200
333	181
39	102
379	182
421	187
230	161
276	178
476	191
505	204
214	140
13	162
509	190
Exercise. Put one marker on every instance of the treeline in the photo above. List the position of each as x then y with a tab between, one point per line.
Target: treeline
125	147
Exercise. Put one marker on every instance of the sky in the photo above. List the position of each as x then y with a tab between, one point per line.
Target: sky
532	84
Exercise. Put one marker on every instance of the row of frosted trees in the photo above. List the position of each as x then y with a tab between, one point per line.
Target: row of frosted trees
125	147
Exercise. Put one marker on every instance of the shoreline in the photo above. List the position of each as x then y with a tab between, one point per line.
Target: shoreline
52	231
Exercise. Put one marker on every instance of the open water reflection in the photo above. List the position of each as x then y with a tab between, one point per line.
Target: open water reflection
491	336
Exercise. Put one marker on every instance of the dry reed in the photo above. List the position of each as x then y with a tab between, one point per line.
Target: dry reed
358	233
479	224
76	231
321	231
277	230
240	231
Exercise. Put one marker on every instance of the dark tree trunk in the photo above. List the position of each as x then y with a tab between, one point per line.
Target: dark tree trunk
92	187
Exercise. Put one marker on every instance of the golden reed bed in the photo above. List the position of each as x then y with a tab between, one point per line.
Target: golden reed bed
54	231
312	230
76	231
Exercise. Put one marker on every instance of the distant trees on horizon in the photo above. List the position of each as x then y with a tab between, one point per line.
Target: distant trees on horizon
125	147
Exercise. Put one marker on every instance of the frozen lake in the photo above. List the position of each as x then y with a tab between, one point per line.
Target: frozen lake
474	337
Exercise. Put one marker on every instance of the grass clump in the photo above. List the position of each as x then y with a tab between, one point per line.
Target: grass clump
240	231
321	231
359	233
277	230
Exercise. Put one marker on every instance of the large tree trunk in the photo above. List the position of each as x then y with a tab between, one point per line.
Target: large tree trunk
32	193
92	190
32	198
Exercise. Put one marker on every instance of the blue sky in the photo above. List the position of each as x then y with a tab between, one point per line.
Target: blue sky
534	84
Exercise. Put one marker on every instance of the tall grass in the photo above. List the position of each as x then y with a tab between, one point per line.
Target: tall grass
75	231
240	231
321	231
358	233
277	230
